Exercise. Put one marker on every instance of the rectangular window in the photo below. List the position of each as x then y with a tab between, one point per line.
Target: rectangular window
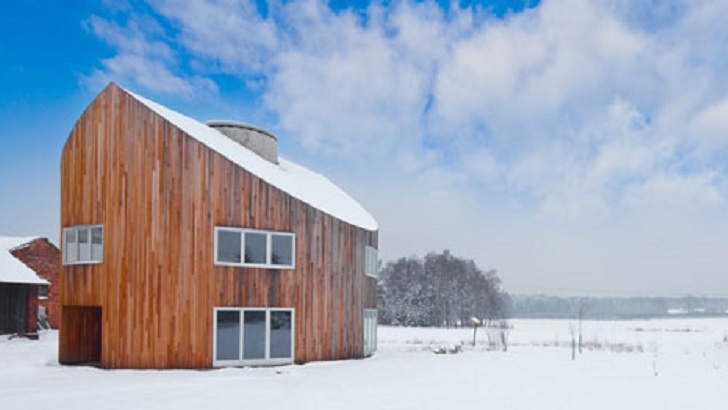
370	261
370	331
83	244
70	246
281	250
43	292
229	246
281	334
253	336
228	335
254	248
97	243
256	252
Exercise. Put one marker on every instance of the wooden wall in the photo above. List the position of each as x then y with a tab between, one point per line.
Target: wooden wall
159	194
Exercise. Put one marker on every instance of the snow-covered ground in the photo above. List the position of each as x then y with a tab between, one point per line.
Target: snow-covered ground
658	364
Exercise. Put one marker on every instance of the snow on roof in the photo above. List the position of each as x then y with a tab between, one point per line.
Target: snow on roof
13	270
299	182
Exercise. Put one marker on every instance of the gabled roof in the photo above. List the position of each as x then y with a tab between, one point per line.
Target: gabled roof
297	181
13	270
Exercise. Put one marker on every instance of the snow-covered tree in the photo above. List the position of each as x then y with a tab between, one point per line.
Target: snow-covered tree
438	290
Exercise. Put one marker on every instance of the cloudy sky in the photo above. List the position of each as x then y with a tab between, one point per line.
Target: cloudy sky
576	146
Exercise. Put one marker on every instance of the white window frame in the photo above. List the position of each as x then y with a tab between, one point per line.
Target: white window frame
268	244
370	331
268	361
79	261
370	261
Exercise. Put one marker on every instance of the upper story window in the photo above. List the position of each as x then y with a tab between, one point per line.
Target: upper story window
254	248
83	244
370	261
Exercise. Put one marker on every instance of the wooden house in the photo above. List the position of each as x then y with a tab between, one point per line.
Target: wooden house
190	245
28	285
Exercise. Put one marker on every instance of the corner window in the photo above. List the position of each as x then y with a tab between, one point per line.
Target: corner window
83	244
370	261
253	336
370	331
254	248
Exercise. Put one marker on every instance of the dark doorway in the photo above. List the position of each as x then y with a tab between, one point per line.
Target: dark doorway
14	307
81	336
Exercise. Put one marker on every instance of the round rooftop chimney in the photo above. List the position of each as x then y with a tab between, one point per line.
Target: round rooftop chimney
253	138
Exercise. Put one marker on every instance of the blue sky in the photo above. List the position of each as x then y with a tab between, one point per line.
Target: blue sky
576	146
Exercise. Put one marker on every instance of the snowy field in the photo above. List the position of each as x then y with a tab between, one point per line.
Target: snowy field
657	364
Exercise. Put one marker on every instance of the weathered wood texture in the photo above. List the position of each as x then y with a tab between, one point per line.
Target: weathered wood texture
159	194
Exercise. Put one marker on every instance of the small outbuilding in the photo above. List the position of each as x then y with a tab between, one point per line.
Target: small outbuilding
29	270
191	245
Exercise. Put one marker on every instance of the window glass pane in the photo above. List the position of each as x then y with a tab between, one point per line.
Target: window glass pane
71	246
282	252
97	243
280	334
254	334
97	235
228	335
366	261
84	245
228	246
255	247
42	291
369	261
374	262
370	331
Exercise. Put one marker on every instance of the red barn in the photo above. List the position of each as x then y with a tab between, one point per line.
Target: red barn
191	245
29	269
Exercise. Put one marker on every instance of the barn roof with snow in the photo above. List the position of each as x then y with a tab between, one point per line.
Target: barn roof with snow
13	270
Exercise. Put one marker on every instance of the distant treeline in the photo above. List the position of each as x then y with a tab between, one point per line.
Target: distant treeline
540	306
438	290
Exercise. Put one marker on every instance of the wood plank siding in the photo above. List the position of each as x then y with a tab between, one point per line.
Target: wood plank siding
159	194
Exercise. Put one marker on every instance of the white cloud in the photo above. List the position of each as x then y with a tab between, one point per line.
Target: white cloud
666	192
345	87
228	33
571	123
481	164
142	61
710	128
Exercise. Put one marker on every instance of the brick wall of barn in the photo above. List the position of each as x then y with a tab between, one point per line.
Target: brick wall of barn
44	259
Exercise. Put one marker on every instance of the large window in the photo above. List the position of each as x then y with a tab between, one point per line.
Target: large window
253	336
254	248
83	244
370	261
370	331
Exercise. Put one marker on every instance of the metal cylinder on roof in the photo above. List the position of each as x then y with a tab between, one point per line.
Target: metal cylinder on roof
258	140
